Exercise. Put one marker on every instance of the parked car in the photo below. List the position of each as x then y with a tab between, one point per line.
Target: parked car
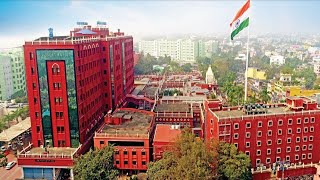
20	143
10	165
9	144
3	148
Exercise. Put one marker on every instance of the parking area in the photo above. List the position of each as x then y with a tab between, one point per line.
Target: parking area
14	173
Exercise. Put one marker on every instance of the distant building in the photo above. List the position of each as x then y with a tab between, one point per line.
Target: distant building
13	59
277	60
210	79
256	73
316	68
285	77
6	82
241	57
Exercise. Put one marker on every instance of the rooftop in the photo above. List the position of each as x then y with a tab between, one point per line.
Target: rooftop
139	123
270	111
166	133
15	130
148	91
176	107
184	98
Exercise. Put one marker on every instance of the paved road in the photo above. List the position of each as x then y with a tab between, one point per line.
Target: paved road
12	174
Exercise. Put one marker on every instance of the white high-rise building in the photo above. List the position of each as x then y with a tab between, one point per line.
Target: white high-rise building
6	82
148	47
277	59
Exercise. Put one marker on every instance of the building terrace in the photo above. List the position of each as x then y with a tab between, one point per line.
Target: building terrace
126	122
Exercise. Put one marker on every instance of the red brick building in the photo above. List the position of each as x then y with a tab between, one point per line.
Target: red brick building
130	131
73	81
270	134
164	136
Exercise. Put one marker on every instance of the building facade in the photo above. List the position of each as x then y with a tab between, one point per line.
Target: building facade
6	82
269	134
14	73
73	81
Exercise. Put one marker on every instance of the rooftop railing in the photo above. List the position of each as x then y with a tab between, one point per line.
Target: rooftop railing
136	135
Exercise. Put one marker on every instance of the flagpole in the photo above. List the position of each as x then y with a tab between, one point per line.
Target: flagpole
246	71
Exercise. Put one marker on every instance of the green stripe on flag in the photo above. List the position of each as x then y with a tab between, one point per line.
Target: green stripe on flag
243	25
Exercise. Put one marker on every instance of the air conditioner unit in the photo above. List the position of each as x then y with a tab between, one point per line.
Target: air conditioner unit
264	167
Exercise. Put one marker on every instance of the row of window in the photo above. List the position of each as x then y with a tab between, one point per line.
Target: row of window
269	132
278	159
125	162
279	141
125	152
288	149
280	122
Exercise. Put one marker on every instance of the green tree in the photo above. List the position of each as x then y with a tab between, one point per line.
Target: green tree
187	67
264	95
96	165
233	165
18	94
189	158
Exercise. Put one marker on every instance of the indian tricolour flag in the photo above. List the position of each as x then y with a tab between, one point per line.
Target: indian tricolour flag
241	20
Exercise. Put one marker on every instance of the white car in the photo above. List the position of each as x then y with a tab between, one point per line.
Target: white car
10	165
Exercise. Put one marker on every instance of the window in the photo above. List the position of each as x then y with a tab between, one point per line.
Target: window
60	129
296	157
310	147
247	144
102	142
270	123
260	124
32	70
269	132
117	162
279	141
236	126
305	129
279	131
312	120
247	153
38	129
248	125
34	86
306	120
268	151
258	152
125	152
143	163
104	60
268	160
37	114
258	143
298	121
289	121
304	147
287	158
311	129
55	70
143	153
134	153
278	150
35	100
288	149
236	145
289	140
247	135
236	135
116	152
259	133
303	156
269	142
125	162
297	139
103	48
305	138
309	155
278	159
104	72
134	162
258	161
298	130
289	131
31	55
297	148
280	122
310	138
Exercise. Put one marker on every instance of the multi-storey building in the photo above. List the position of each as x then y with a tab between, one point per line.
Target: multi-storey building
269	134
130	131
14	73
73	81
6	83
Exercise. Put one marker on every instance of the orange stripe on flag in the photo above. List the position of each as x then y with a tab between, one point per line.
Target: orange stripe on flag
244	8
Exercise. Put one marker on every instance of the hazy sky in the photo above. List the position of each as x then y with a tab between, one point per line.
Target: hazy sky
26	20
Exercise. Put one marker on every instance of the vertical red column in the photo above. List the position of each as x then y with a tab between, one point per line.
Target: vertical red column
58	93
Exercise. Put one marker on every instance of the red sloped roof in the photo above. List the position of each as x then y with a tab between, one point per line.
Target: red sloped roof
165	133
